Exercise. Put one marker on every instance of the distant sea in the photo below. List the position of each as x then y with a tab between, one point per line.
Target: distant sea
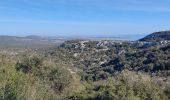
123	37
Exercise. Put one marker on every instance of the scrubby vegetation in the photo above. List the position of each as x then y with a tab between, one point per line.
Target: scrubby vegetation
125	86
88	70
34	78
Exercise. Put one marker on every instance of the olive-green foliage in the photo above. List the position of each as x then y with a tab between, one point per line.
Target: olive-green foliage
29	63
49	81
60	79
32	78
101	62
149	60
55	74
122	88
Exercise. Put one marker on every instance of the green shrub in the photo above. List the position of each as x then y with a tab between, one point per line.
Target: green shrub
29	64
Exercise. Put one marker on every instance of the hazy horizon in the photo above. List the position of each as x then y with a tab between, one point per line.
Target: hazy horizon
110	37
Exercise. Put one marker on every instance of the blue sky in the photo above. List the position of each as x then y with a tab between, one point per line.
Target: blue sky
83	17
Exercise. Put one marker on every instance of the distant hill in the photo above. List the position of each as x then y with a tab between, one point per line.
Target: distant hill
33	37
157	36
27	42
